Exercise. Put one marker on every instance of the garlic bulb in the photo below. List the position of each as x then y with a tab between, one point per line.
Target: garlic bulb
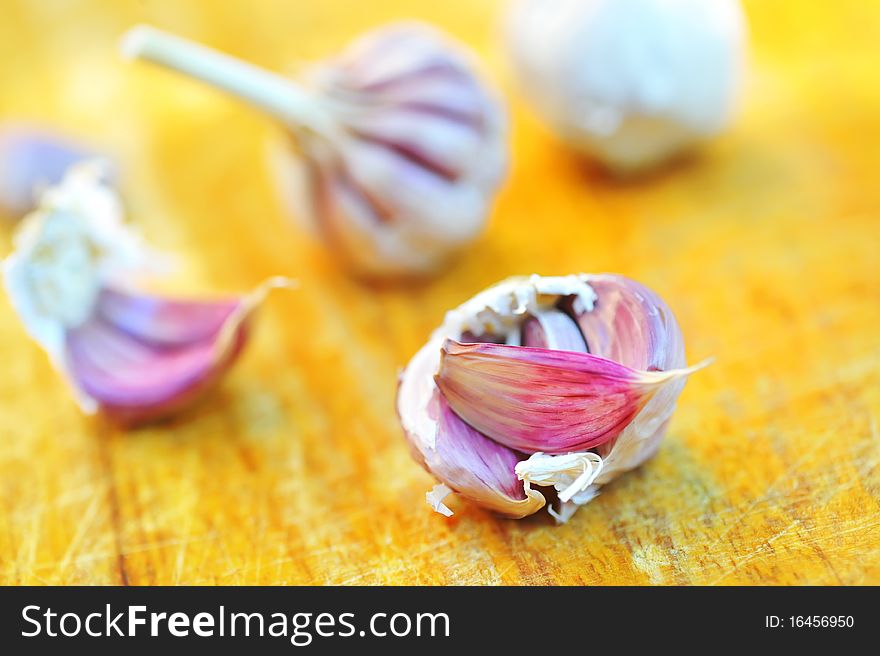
136	357
629	82
396	148
564	382
31	159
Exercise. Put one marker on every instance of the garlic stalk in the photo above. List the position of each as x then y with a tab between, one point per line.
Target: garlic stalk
563	382
629	82
73	280
396	148
31	159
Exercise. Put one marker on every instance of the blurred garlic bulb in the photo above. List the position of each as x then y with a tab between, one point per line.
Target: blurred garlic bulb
31	159
396	148
630	82
72	279
565	382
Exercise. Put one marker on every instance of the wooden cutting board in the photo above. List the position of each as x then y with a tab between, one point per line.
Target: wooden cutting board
766	244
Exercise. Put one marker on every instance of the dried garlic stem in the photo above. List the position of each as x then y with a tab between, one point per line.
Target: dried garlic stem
273	93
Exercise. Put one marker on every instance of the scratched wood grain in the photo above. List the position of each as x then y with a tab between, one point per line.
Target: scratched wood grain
767	245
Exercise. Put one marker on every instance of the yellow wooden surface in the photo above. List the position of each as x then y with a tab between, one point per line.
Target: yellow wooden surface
767	246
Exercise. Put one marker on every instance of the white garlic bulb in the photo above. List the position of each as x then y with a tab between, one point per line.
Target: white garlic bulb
396	148
629	82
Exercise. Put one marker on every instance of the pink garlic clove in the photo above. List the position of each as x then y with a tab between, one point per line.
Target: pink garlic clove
512	365
536	399
398	149
133	356
631	325
162	322
553	329
143	358
474	466
32	159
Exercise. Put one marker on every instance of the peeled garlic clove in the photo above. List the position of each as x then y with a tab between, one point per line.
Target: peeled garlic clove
396	147
32	159
630	82
523	367
133	356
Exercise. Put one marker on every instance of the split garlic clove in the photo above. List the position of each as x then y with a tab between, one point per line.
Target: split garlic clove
32	159
523	367
631	83
73	280
396	147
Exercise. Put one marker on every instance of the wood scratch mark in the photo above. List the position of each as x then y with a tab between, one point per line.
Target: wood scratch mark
766	546
103	440
786	474
83	528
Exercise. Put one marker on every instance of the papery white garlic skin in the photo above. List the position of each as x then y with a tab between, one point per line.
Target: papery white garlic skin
395	147
65	251
631	83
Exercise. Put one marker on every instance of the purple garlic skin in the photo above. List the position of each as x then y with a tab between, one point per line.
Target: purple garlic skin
396	148
143	358
74	279
563	381
32	159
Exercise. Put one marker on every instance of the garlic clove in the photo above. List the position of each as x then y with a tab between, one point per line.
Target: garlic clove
454	453
435	95
444	145
553	329
535	399
31	159
398	148
447	211
393	53
142	358
630	324
164	322
72	279
354	222
476	467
